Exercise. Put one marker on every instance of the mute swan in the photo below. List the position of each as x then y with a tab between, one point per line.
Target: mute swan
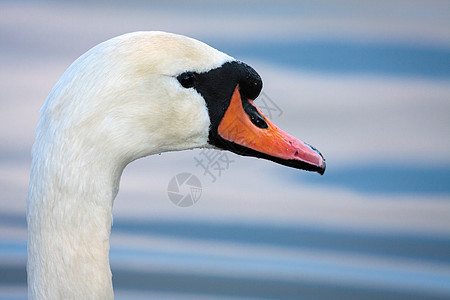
134	95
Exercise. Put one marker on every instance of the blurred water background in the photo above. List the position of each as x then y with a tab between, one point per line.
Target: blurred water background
366	82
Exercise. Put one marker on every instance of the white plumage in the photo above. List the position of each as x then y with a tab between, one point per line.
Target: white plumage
129	97
109	108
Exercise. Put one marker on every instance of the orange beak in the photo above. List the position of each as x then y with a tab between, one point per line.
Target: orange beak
255	135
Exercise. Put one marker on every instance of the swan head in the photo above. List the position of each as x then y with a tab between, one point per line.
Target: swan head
149	92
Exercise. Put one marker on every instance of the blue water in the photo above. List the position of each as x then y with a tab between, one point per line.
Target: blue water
382	179
413	246
331	279
393	59
327	278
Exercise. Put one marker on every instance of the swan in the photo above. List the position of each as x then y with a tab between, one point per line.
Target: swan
132	96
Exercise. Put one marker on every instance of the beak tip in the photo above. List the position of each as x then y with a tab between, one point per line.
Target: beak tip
321	169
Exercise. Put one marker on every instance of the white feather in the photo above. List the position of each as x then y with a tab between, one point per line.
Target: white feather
118	102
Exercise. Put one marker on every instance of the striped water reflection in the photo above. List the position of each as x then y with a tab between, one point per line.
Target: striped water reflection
260	261
367	83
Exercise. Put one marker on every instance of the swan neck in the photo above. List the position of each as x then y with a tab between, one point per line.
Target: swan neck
69	215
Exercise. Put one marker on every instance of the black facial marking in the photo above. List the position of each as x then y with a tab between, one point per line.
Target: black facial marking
251	84
217	86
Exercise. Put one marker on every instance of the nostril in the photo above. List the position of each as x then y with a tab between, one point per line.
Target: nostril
254	115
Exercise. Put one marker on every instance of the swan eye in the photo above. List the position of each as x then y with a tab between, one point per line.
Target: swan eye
187	79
